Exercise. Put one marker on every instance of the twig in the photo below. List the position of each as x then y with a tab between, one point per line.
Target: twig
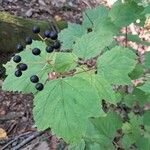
126	36
16	138
29	139
86	3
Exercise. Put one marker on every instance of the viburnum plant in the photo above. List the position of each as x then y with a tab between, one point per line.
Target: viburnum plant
80	80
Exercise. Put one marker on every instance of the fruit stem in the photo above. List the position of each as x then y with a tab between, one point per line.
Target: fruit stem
41	37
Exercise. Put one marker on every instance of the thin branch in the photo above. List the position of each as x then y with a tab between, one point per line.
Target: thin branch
29	139
15	139
126	36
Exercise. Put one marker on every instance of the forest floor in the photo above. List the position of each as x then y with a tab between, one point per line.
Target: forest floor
16	122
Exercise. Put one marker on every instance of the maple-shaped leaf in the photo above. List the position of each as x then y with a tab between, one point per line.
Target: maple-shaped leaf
69	35
64	106
37	65
90	45
123	14
116	64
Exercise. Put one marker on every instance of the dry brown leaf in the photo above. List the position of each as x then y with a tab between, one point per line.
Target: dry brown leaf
3	134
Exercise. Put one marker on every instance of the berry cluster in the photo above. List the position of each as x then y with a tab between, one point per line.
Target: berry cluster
53	35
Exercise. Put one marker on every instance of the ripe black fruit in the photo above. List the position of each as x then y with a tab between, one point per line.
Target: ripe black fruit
49	49
47	33
34	79
39	86
28	40
19	47
53	35
36	29
23	67
18	73
36	51
17	59
56	45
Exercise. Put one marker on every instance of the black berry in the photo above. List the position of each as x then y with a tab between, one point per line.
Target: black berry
23	67
47	33
49	49
53	35
36	51
19	47
18	73
34	79
36	29
39	86
56	45
17	59
28	40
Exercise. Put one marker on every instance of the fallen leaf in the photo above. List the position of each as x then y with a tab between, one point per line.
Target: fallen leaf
3	134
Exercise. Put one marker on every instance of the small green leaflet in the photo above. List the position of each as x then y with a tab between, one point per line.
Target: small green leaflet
116	64
145	87
65	62
90	45
65	105
102	131
37	65
147	60
132	129
90	15
137	72
124	14
69	35
137	96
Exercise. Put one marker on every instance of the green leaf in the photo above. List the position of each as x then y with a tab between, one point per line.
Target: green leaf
135	38
90	45
145	87
65	62
147	60
116	64
126	142
101	131
37	65
137	72
123	14
80	146
132	129
65	105
143	144
137	96
69	35
105	26
146	117
101	86
90	15
108	125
